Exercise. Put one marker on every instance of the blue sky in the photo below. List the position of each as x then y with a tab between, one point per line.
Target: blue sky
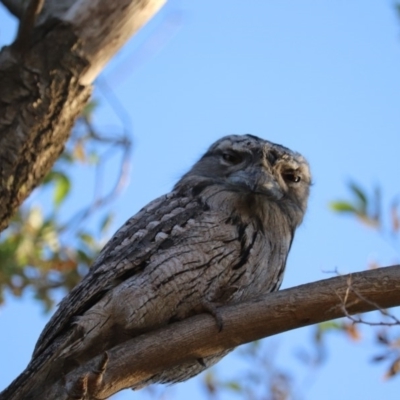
319	77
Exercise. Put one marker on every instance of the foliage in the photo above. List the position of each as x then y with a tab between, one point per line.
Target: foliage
260	378
366	208
41	249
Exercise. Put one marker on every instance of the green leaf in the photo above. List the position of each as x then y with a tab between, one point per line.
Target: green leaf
343	207
234	386
324	328
87	239
62	188
361	196
330	325
83	257
89	109
93	158
50	177
67	156
106	222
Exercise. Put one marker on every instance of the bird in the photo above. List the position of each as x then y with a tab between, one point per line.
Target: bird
221	236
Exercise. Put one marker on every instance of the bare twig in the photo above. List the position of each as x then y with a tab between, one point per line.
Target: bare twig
356	319
121	142
100	200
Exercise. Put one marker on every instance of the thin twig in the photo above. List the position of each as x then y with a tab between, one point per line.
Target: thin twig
100	200
357	319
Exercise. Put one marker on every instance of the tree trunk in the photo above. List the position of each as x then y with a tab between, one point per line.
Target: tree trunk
45	80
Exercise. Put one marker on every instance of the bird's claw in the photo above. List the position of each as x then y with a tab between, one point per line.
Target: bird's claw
89	383
212	309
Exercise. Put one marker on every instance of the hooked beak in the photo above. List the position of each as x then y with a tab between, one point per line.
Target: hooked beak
257	181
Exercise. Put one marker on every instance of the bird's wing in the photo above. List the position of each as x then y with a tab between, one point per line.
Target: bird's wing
123	256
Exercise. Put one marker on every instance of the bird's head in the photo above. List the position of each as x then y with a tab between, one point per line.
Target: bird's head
255	168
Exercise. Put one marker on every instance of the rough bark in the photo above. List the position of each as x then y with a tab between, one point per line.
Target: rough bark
15	7
39	102
198	337
45	80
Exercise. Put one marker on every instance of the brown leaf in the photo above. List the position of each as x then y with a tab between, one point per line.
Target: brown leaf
353	332
394	369
395	218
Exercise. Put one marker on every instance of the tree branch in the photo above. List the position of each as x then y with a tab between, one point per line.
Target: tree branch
27	23
46	84
140	358
104	26
15	7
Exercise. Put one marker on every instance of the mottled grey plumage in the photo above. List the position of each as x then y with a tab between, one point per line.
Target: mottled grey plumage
221	236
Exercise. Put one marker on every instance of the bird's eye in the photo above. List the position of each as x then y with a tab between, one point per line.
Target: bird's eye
232	158
291	177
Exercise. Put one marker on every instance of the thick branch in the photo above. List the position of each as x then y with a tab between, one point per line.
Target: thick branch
45	84
104	26
27	23
198	337
15	7
278	312
40	98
